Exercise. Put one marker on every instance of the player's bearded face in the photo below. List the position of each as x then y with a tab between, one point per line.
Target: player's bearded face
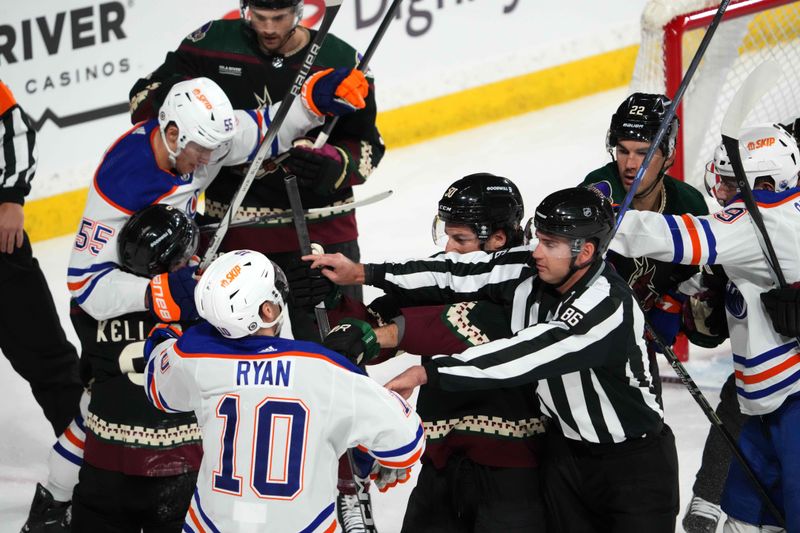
553	255
273	27
630	156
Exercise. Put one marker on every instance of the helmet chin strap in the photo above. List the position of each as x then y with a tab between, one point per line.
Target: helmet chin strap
172	155
275	323
573	267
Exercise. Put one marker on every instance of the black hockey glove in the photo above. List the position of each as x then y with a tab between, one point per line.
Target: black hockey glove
705	321
783	308
322	170
308	287
354	339
384	309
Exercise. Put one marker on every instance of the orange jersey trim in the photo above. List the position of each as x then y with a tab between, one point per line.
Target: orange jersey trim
402	464
75	285
331	528
73	438
693	237
766	374
196	521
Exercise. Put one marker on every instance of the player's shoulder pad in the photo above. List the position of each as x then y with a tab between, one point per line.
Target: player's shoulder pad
128	176
204	340
337	53
773	199
686	197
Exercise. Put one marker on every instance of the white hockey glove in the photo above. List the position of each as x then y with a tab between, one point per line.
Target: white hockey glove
386	478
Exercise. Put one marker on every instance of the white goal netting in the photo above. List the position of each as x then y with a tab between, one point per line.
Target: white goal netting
752	31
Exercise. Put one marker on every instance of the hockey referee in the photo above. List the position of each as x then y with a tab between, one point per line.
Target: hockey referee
579	335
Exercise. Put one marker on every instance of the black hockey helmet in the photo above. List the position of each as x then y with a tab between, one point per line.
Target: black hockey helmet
273	4
157	239
486	203
638	118
579	214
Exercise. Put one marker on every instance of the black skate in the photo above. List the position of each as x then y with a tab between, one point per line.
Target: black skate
348	511
47	515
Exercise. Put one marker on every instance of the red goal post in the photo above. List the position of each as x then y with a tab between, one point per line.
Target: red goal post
750	32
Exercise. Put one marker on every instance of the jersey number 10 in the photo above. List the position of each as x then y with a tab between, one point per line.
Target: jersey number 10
278	449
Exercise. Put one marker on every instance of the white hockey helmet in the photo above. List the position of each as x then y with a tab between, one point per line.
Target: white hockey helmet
767	151
230	293
202	112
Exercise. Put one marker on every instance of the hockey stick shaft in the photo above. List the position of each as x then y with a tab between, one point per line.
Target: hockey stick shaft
310	214
321	315
331	10
325	134
671	112
712	416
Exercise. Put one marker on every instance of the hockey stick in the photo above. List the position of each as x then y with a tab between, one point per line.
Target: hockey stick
310	214
712	416
324	326
671	111
323	136
331	9
758	83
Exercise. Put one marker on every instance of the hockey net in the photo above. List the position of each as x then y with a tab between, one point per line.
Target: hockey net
751	32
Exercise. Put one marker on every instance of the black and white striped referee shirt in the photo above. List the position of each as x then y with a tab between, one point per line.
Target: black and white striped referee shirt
18	156
585	350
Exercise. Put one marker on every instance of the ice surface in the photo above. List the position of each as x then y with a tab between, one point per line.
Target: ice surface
542	152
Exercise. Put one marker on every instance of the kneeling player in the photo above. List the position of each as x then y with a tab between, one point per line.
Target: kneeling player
277	413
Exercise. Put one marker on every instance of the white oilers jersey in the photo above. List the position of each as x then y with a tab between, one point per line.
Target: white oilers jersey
276	415
767	365
128	179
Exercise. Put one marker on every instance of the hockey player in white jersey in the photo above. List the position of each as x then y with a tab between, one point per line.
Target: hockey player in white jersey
276	414
169	160
767	364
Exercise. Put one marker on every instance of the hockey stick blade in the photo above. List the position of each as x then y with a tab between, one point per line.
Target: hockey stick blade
310	214
763	78
331	10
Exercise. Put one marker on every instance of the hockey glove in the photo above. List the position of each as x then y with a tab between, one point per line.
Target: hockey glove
170	296
354	339
783	308
366	467
384	309
157	335
665	317
335	91
307	286
322	170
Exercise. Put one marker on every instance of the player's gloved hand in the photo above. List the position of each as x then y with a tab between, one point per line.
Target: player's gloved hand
783	308
157	335
354	339
665	316
384	309
307	286
385	478
322	170
170	296
335	91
